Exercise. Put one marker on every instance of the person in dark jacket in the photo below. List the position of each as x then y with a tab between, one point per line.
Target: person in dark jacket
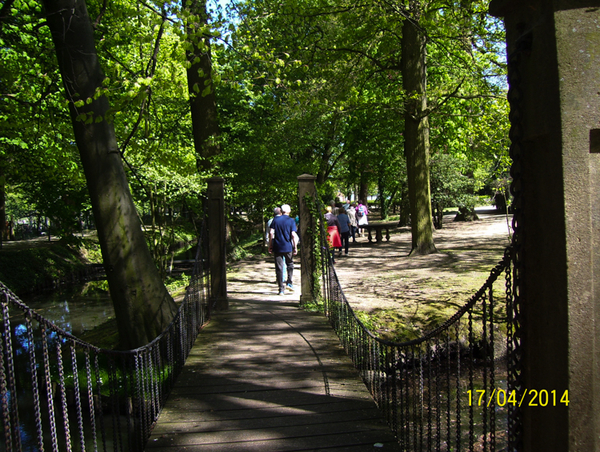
283	244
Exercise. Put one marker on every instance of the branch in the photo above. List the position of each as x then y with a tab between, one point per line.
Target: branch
51	88
445	99
376	61
150	70
151	67
131	72
5	11
100	15
158	13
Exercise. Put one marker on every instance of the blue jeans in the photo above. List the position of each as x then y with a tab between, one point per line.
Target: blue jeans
283	262
345	241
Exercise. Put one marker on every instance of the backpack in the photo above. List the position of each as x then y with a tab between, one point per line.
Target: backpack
361	211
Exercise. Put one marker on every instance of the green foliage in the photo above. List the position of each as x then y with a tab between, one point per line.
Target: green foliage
24	269
318	89
314	306
249	245
302	87
315	236
451	186
37	154
177	283
141	48
90	250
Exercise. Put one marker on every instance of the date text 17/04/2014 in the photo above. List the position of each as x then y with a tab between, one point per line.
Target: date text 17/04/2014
530	397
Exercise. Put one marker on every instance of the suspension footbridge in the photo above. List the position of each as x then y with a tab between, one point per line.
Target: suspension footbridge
268	376
265	375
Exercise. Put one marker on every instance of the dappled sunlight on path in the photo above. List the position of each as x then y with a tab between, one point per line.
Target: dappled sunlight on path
268	376
255	276
381	278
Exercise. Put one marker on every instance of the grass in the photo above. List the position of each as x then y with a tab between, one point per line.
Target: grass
22	269
407	297
413	316
248	246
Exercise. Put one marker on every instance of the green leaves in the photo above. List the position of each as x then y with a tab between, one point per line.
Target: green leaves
302	86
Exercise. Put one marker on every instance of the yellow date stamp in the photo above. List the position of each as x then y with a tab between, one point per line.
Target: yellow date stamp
529	397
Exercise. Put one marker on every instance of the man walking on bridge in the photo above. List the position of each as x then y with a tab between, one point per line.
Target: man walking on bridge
283	244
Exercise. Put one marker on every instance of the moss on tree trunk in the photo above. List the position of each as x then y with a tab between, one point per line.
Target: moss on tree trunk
203	104
143	306
416	138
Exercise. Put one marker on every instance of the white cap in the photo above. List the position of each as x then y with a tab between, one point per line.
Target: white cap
286	208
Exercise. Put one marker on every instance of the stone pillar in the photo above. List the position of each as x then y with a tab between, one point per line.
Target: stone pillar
306	186
554	56
216	243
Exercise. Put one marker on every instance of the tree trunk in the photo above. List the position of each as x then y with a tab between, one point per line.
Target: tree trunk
3	228
205	125
363	192
143	306
404	207
416	136
438	213
383	204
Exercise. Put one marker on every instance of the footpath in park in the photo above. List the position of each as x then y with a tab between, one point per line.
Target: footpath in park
268	376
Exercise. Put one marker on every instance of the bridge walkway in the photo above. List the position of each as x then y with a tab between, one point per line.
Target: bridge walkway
268	376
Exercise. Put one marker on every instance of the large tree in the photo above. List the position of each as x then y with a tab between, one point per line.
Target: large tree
142	304
205	124
416	131
384	45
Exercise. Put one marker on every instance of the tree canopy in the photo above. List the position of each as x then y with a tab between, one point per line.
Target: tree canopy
331	76
301	86
369	97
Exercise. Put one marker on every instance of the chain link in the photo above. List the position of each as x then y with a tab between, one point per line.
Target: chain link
63	394
49	389
90	392
34	383
6	412
515	99
77	396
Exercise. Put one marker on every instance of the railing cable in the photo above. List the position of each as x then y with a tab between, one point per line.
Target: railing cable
82	397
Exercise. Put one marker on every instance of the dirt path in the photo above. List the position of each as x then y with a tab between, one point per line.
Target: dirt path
403	296
408	295
382	275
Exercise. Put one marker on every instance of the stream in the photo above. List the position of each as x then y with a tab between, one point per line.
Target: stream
74	309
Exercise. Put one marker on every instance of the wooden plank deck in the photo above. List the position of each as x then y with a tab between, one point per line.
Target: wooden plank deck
268	376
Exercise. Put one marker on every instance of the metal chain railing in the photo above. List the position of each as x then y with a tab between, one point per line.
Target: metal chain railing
61	393
450	389
425	386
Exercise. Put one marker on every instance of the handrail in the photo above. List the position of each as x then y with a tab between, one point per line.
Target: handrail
102	399
450	389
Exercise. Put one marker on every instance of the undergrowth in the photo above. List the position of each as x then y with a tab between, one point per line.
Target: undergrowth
24	269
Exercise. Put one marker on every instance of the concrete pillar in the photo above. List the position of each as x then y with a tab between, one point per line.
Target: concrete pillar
216	243
554	56
306	186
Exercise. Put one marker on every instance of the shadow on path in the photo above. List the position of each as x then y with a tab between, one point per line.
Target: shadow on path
268	376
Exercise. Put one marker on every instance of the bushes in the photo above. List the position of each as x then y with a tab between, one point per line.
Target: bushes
24	269
451	186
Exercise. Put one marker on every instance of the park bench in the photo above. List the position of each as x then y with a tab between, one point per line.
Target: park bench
379	228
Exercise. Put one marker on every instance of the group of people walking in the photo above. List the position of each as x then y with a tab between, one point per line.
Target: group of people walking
343	223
